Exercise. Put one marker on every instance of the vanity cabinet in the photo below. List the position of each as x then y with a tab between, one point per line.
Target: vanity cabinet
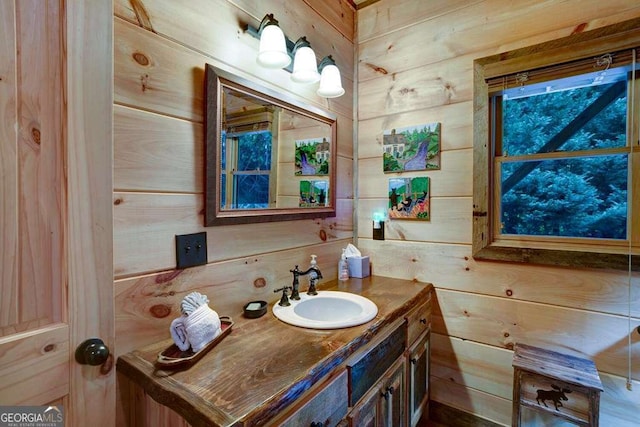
418	320
384	405
418	366
418	334
325	406
370	375
377	378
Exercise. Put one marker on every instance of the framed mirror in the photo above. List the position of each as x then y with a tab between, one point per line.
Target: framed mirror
268	157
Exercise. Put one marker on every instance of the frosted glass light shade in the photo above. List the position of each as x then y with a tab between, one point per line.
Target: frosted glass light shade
330	82
305	67
273	48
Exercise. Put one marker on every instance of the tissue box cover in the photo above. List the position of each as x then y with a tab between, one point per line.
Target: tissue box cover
358	266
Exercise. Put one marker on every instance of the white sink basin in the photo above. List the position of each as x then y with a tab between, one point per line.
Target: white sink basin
327	310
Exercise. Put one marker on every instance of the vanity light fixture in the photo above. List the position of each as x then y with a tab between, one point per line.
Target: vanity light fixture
330	81
273	46
305	65
305	68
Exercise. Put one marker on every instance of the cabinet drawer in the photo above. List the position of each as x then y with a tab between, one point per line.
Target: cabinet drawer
365	369
326	407
569	400
418	320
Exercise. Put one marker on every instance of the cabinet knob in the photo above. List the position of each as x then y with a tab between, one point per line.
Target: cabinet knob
423	321
388	393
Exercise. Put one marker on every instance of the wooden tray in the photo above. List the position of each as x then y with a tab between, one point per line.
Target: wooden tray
173	357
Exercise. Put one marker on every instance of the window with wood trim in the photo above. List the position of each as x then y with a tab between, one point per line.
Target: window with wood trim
246	169
556	151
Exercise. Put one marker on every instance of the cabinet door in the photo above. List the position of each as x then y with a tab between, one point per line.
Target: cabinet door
384	404
365	413
392	397
418	398
324	407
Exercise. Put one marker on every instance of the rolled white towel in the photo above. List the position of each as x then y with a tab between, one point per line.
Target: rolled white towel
179	333
197	329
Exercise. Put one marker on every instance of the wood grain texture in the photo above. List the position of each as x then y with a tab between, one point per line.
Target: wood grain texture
458	133
473	28
159	55
339	14
58	127
477	402
214	29
365	370
388	16
475	365
156	153
449	181
157	75
502	323
273	379
89	106
40	163
146	224
326	402
32	359
324	25
399	85
34	340
576	370
441	414
9	165
483	367
450	221
148	304
453	267
418	88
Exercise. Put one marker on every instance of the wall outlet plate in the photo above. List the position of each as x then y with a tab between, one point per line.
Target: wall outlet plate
191	249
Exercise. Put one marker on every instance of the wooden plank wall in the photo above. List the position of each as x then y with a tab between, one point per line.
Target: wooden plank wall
160	49
414	66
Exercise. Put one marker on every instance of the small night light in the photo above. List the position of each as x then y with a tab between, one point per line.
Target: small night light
378	226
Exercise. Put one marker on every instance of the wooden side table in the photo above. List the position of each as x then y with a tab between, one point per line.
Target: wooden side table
565	386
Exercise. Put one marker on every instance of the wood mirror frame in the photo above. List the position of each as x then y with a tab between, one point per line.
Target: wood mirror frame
216	81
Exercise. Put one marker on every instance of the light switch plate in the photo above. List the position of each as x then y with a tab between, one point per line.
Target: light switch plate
191	249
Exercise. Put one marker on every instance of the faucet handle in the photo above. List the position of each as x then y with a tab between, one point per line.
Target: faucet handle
284	301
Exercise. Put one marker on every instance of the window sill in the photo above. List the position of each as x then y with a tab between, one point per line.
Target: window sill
558	257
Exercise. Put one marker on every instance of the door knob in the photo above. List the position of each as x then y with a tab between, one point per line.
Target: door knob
92	352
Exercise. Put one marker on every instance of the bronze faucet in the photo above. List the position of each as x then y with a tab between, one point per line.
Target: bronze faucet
315	274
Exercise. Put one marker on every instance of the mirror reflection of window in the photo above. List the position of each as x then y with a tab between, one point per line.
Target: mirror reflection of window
246	160
250	155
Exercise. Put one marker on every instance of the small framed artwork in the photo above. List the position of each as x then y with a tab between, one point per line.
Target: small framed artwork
312	156
413	148
314	193
409	198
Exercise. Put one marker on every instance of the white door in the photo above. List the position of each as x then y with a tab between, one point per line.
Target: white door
56	268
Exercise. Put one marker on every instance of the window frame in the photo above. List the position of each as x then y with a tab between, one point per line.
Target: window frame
531	249
231	175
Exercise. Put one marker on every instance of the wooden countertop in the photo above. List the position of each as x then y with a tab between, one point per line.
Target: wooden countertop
263	365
